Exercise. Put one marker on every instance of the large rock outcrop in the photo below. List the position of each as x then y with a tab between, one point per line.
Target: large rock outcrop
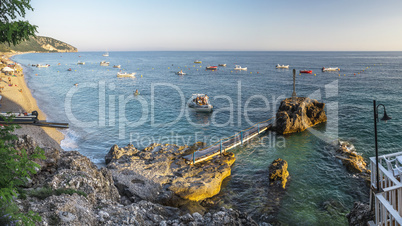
98	201
159	173
296	117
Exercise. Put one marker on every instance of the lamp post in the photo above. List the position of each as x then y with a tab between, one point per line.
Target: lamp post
384	118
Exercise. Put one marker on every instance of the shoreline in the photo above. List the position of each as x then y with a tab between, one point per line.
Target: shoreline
18	97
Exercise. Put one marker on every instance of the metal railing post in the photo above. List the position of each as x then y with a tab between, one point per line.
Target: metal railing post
221	147
258	126
241	137
193	158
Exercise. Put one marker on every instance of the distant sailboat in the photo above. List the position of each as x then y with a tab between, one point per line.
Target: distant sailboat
106	54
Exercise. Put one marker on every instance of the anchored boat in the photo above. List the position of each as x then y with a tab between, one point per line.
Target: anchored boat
239	68
125	74
180	73
116	66
331	69
40	65
282	66
200	103
306	71
212	67
198	62
104	63
81	63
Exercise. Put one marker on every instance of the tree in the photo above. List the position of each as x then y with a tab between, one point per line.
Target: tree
12	29
16	168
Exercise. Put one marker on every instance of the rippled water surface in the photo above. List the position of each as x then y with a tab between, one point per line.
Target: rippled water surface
102	111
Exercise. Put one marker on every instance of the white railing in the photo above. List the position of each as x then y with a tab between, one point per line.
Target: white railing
388	202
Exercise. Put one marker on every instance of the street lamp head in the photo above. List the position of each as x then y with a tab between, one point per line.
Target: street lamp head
385	117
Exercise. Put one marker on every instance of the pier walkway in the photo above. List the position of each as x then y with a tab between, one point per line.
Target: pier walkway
228	143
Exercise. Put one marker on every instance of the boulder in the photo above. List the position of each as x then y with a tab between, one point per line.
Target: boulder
160	174
360	214
278	173
296	117
352	160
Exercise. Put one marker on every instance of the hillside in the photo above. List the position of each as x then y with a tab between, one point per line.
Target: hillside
39	44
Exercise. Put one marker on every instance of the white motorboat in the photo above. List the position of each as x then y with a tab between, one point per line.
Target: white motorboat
331	69
116	66
104	63
106	54
81	63
282	66
180	73
40	65
125	74
222	65
200	103
238	67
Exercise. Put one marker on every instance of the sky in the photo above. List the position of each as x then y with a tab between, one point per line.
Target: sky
221	25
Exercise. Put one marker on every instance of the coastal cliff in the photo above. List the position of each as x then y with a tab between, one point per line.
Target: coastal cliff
39	44
296	117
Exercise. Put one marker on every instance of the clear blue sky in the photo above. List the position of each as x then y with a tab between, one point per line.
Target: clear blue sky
266	25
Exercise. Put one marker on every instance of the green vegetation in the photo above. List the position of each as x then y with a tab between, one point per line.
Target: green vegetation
13	31
16	168
45	192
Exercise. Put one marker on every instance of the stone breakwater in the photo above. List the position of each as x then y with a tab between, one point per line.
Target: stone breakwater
98	200
296	117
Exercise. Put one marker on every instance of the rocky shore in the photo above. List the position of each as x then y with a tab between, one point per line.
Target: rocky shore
70	190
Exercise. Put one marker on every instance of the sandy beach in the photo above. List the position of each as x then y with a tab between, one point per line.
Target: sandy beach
18	98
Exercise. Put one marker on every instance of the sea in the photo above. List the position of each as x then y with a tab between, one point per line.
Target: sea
102	111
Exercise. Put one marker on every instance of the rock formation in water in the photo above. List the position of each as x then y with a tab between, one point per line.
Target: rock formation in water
352	160
160	174
278	173
296	117
360	215
70	190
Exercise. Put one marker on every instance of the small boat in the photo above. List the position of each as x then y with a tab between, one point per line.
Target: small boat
125	74
331	69
40	65
180	73
238	67
198	62
81	63
69	69
282	66
212	67
222	65
116	66
200	103
306	71
106	54
104	63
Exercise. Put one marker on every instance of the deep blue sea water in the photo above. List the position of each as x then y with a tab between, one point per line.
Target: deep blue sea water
102	111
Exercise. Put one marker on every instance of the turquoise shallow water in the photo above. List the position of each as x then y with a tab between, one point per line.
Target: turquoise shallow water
102	111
